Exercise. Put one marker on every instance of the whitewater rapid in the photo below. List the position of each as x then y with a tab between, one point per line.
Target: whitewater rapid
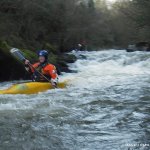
106	105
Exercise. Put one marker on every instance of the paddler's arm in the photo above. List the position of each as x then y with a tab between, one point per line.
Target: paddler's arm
54	83
54	76
27	67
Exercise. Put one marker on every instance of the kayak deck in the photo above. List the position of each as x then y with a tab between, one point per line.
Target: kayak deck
31	88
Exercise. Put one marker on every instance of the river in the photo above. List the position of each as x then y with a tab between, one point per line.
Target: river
106	106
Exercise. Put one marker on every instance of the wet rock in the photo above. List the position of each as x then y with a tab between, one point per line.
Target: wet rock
12	69
69	58
140	46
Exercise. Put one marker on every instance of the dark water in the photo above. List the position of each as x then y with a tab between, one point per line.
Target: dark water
106	106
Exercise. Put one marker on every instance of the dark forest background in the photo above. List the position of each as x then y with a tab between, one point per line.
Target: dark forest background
36	24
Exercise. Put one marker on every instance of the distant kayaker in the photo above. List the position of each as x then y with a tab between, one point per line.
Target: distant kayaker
45	68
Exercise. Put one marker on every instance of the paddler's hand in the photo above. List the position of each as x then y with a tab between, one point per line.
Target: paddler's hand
27	62
27	65
54	84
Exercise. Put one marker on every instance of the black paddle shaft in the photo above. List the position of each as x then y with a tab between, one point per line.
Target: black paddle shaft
30	65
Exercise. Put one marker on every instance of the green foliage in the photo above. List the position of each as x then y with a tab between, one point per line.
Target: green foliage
29	54
53	58
4	47
51	48
134	19
65	23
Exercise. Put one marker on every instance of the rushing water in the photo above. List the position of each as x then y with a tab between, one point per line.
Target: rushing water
106	106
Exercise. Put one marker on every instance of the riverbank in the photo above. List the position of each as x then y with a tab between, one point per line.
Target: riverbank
12	69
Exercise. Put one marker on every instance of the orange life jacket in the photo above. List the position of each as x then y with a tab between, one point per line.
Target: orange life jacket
47	70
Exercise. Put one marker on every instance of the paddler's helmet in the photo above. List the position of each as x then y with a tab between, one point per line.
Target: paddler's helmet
43	53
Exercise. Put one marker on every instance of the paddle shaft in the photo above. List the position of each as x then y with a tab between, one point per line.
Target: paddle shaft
30	65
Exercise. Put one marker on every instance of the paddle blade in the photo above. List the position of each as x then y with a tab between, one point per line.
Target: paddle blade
17	53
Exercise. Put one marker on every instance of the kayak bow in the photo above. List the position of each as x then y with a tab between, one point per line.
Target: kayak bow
31	88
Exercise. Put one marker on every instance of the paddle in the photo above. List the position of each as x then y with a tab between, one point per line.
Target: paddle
17	53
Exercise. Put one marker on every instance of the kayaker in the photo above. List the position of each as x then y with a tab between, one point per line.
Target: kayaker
45	68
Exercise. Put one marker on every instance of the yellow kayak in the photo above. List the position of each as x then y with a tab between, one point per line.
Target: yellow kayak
31	88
